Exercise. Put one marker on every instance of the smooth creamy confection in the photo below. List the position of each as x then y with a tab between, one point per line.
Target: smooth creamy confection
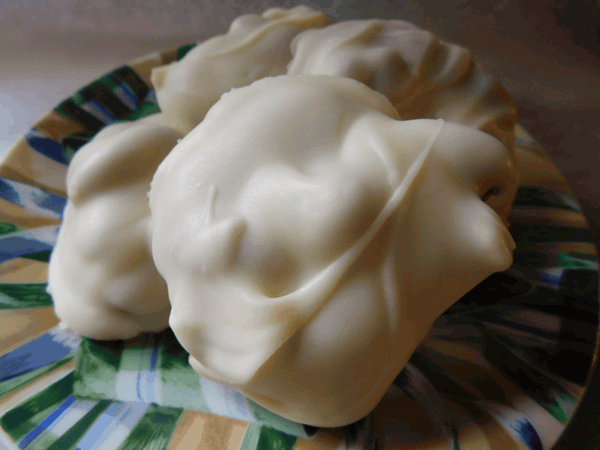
101	274
254	47
309	239
421	75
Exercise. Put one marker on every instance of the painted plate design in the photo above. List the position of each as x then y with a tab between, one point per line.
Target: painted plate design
502	369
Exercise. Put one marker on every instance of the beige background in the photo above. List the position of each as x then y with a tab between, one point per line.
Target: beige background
546	53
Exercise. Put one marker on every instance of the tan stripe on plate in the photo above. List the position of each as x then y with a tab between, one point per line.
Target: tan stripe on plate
21	270
19	326
585	248
535	170
168	56
23	393
472	370
482	433
23	163
55	126
143	66
548	216
471	437
200	431
499	439
400	422
22	217
324	440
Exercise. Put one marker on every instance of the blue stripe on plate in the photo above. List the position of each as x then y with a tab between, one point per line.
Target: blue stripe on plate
516	424
43	351
147	377
126	95
28	242
112	435
32	198
525	142
151	376
140	369
99	112
549	277
528	434
46	146
151	96
38	429
100	425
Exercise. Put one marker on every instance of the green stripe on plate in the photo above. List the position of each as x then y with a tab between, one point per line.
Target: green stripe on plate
180	383
69	440
24	295
455	437
15	383
154	430
577	261
556	411
8	228
263	415
259	437
102	360
41	256
134	359
251	437
182	51
147	108
20	420
271	439
42	442
105	370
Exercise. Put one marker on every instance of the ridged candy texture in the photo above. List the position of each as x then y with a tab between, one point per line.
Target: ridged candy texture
309	239
423	76
256	46
101	275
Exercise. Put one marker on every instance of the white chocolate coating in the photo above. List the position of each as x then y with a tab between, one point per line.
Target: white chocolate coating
421	75
309	238
101	274
254	47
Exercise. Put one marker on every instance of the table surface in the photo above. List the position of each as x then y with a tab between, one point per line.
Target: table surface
546	53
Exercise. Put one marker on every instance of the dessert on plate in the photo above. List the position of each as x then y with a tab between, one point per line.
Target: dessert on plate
310	238
254	47
320	195
101	275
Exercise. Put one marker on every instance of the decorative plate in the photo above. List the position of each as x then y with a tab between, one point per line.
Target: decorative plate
502	369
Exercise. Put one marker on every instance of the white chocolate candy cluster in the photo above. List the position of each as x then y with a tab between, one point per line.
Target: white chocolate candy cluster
330	199
310	238
254	47
101	274
421	75
102	278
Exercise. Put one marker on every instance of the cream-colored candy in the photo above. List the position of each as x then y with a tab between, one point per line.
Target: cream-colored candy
309	239
101	274
255	47
422	76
